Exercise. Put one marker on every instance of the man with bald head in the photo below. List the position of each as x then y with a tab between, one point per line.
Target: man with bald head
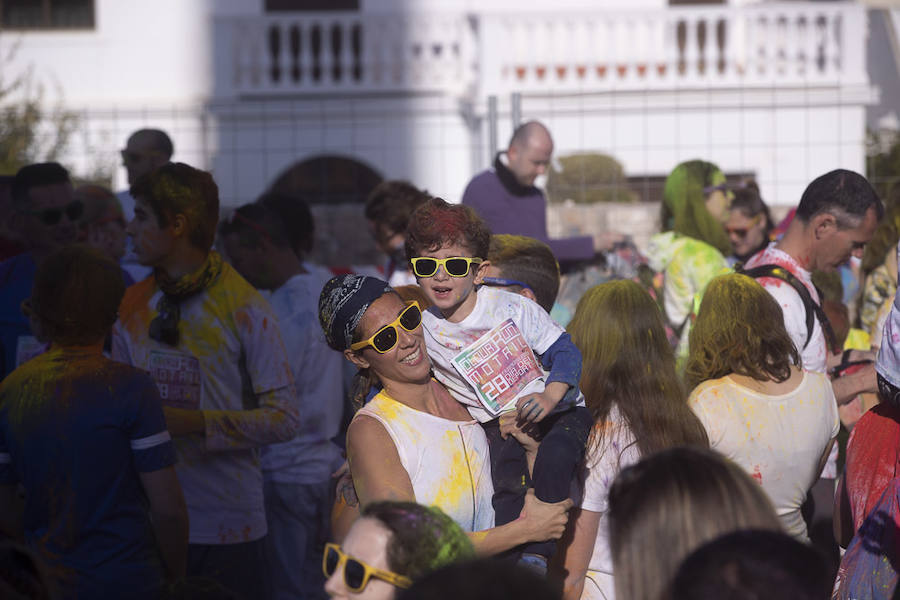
505	195
145	151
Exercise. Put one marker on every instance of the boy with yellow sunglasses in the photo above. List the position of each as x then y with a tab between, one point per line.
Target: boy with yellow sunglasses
499	353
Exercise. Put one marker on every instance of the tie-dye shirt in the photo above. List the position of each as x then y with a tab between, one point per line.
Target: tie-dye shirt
76	429
688	266
230	363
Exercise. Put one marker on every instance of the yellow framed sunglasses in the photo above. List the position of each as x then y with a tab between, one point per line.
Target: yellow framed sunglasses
386	338
455	266
356	572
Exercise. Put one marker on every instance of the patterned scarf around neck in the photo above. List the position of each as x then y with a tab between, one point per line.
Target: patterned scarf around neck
164	327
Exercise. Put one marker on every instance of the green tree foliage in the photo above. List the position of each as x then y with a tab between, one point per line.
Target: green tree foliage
29	130
589	178
883	164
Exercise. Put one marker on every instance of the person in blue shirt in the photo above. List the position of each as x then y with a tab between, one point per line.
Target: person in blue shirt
45	213
86	439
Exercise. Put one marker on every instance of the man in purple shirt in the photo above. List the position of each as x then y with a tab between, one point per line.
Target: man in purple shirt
505	195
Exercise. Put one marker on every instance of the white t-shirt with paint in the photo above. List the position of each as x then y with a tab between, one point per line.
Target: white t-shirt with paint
311	456
445	340
778	440
603	463
230	363
814	355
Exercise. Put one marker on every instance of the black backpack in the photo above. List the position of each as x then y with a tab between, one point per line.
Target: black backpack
813	310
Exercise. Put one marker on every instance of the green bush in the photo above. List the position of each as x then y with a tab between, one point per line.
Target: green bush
589	178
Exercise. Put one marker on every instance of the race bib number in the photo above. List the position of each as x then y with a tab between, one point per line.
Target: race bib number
177	377
499	366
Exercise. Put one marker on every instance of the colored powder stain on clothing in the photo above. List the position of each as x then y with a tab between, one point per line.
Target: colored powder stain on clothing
757	475
457	486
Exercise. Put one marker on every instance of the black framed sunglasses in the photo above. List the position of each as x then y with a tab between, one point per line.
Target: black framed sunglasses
164	326
455	266
51	216
386	338
356	572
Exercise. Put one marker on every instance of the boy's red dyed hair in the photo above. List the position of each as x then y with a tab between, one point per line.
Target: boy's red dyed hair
437	223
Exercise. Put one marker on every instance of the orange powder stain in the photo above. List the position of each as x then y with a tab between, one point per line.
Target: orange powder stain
244	321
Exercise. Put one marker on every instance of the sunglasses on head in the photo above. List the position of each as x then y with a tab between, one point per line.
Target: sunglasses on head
502	282
455	266
386	338
356	572
51	216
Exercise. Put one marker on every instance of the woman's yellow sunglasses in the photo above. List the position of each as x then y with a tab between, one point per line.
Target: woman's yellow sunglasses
356	572
386	338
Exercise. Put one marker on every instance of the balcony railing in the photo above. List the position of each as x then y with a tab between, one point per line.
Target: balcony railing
783	44
337	53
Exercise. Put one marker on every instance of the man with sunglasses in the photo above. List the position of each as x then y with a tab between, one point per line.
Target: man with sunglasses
46	214
213	347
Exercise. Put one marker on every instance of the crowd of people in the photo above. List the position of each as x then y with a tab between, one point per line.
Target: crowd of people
195	409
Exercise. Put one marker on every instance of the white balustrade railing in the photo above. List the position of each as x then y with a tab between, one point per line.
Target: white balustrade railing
798	43
337	52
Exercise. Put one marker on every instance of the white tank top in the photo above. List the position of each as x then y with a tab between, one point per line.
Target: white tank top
448	461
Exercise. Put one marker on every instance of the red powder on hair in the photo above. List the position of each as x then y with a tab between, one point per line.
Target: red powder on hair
437	223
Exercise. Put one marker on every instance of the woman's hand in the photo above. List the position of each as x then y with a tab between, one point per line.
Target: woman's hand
544	521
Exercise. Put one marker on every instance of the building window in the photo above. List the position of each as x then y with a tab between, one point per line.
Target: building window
47	14
311	5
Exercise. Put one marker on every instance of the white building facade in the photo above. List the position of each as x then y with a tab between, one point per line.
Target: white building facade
426	90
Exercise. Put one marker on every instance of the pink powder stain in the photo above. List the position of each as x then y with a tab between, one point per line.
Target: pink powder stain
757	475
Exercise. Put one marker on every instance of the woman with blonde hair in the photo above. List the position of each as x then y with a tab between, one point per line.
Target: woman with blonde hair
759	407
670	504
639	407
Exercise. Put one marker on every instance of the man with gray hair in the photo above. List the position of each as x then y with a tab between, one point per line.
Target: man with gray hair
506	198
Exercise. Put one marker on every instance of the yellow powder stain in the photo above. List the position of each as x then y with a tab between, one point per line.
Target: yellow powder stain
456	489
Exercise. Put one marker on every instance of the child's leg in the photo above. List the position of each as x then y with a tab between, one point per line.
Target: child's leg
561	453
556	467
509	472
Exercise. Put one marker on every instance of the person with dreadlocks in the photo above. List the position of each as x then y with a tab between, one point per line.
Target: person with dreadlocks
692	247
213	346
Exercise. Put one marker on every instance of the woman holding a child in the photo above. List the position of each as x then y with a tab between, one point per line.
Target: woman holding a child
413	441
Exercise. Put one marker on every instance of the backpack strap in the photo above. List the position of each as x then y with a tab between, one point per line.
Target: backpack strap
813	310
